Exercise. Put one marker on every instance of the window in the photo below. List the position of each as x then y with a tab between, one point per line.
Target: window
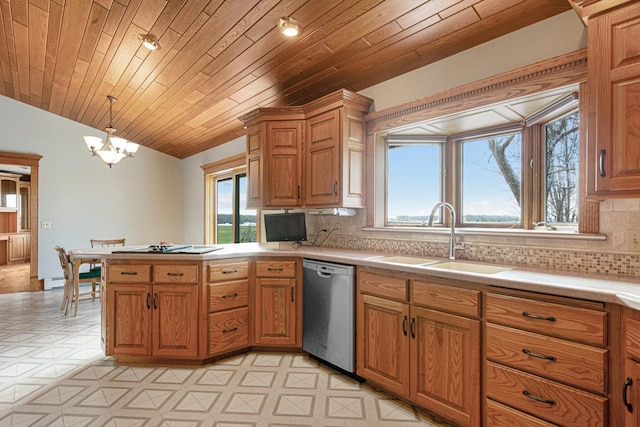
520	174
414	179
491	186
561	170
227	219
234	223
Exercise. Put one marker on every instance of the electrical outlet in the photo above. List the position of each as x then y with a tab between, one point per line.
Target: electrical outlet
633	241
45	224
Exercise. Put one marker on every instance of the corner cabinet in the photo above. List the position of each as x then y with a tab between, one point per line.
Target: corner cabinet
307	156
613	137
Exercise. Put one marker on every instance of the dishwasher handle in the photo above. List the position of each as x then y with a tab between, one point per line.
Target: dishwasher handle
323	274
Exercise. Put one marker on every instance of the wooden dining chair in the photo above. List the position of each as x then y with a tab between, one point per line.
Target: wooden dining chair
104	243
71	289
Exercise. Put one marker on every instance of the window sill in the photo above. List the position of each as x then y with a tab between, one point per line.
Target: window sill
543	234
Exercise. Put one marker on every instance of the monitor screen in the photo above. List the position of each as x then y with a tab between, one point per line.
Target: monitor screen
285	227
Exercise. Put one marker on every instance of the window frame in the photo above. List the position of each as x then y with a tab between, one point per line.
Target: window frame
533	174
231	167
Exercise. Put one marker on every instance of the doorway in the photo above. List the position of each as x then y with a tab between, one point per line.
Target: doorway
20	271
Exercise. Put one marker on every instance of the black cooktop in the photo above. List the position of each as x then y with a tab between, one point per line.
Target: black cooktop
170	249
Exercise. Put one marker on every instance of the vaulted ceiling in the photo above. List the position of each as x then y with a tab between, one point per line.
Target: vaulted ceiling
220	59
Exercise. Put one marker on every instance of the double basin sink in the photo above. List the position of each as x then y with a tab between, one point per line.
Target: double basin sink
460	266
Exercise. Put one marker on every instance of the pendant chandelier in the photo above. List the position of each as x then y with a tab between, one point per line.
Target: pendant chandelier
113	149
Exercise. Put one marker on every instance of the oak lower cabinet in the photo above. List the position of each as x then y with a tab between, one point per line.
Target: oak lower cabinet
228	306
546	360
277	308
18	246
153	310
408	347
631	376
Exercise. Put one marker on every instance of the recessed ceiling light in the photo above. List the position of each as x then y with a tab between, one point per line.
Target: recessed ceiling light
289	26
149	41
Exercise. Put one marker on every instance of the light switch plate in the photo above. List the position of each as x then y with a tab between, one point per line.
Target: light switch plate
633	241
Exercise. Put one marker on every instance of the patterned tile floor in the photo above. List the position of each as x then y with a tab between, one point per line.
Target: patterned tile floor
53	373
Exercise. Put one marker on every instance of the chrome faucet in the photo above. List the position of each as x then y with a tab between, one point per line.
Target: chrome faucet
452	238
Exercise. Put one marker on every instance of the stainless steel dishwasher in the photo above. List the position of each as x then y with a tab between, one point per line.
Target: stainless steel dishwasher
328	321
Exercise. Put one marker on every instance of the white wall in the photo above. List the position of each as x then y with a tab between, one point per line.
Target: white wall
193	187
552	37
139	199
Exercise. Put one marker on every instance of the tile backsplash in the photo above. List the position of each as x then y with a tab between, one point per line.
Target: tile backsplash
607	256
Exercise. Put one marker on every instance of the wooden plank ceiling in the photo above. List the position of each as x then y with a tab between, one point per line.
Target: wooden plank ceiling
222	58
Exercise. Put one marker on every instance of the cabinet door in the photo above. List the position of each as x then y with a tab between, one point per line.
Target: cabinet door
613	151
129	308
283	164
275	311
323	160
16	248
630	392
382	350
445	364
175	320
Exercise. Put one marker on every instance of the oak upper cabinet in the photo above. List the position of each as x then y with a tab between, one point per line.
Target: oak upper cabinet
613	137
153	310
334	145
277	306
308	156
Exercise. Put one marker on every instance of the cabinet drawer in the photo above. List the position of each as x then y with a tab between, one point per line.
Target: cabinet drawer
228	330
125	273
574	323
500	415
228	271
546	399
223	296
447	298
175	274
276	269
563	361
383	285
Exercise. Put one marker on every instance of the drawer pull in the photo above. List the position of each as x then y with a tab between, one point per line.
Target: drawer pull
230	295
538	317
539	399
628	383
175	274
128	273
275	268
225	331
539	356
235	270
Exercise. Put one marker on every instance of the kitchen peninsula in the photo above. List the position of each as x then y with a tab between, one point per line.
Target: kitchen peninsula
196	308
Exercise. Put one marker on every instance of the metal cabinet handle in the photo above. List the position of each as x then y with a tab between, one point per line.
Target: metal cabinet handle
335	188
539	399
175	274
292	294
601	163
412	327
628	383
404	325
235	270
155	301
274	269
225	331
538	317
128	273
148	302
539	356
230	295
298	192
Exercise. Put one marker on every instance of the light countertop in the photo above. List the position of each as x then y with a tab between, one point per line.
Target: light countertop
605	288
